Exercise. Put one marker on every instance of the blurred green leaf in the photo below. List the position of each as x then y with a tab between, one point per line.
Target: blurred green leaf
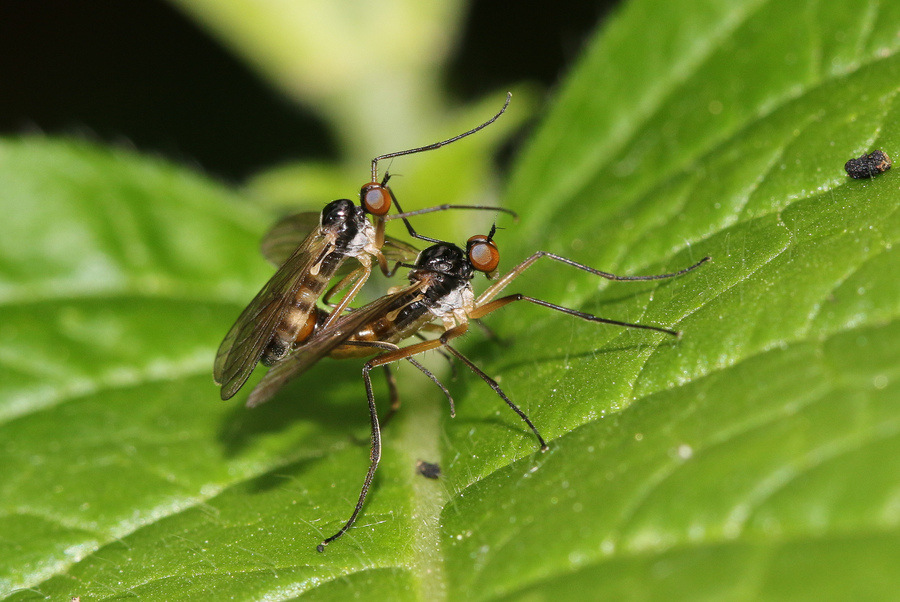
750	459
372	71
460	173
360	64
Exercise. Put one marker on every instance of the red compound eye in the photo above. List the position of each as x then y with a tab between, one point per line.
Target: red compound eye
375	198
483	253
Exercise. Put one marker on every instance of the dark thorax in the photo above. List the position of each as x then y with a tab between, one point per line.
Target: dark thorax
347	231
439	282
448	272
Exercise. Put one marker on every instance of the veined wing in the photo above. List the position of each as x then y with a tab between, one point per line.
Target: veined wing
245	343
287	234
323	342
396	250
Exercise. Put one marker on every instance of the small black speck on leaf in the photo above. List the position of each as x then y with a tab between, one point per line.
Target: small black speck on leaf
428	470
869	165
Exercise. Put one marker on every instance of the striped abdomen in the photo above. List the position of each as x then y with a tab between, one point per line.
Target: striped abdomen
299	321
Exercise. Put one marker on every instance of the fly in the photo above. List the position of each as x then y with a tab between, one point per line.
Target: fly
439	291
309	249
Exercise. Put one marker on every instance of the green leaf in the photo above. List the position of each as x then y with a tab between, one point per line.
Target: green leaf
753	458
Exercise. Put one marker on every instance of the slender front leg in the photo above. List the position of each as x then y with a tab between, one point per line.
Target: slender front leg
494	290
379	221
341	285
412	231
351	294
445	207
487	308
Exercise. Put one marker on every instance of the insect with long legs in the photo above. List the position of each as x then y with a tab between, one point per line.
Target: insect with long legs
440	290
282	314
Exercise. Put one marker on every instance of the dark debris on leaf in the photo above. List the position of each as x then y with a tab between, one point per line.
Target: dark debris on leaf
428	470
868	166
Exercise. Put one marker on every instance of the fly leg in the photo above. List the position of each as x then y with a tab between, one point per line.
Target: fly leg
493	290
487	308
362	275
392	383
374	458
443	342
375	451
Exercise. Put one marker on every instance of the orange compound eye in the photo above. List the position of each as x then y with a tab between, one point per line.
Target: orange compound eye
375	198
483	253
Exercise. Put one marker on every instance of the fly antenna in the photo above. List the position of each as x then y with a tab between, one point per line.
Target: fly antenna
429	147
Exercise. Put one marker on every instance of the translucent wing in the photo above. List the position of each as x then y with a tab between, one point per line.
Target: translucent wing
396	250
323	342
244	344
287	234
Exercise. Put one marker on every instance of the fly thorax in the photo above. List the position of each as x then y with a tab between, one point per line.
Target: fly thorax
457	301
349	225
364	241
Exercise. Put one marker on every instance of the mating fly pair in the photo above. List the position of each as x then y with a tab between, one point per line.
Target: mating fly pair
309	249
285	329
439	290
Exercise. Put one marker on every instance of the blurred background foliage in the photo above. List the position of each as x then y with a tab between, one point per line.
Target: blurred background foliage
290	98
